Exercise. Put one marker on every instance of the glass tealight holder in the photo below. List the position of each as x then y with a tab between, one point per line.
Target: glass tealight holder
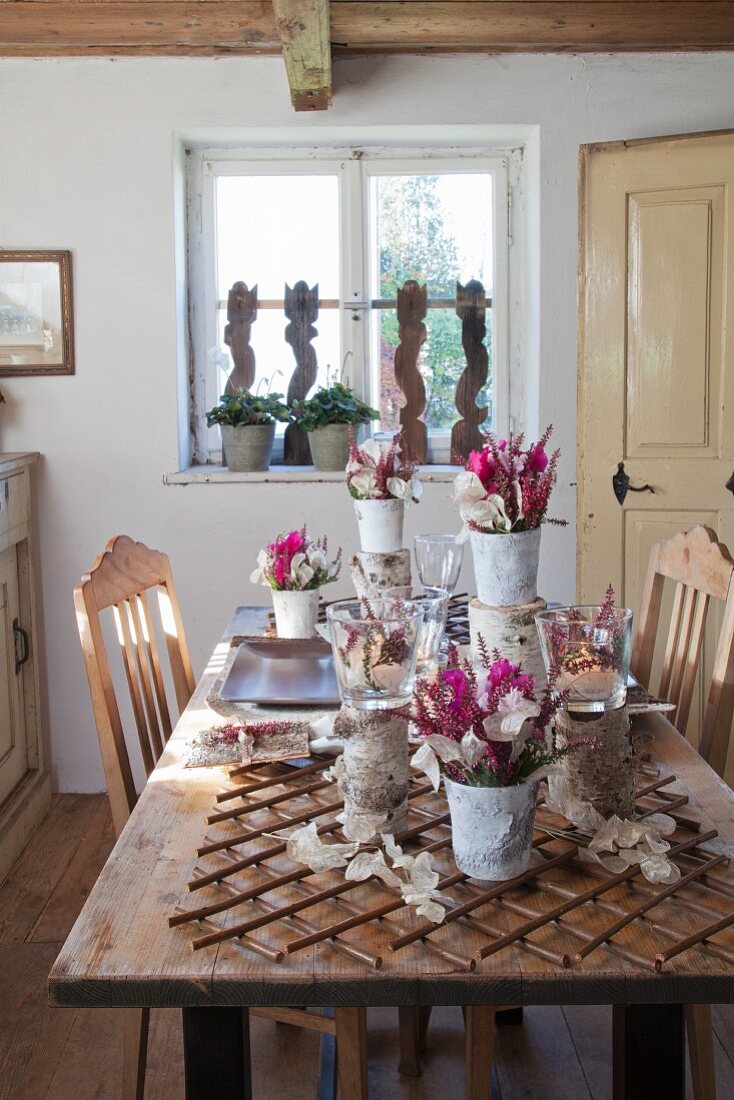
375	644
435	604
590	653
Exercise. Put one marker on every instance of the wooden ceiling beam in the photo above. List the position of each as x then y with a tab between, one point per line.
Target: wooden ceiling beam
303	27
221	27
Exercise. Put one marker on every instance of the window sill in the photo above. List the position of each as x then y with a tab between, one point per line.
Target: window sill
286	475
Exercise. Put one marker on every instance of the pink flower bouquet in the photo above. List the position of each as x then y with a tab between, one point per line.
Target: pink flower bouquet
506	486
485	727
296	563
382	470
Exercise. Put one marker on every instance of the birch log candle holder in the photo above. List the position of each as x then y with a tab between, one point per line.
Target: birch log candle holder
372	573
512	631
375	778
603	773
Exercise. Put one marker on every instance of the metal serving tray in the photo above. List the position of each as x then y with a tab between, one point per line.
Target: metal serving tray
282	672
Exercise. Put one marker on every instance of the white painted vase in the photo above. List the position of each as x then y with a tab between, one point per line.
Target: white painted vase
506	567
296	613
380	525
492	829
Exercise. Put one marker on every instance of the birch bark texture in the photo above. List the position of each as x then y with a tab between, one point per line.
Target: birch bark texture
602	774
513	632
375	779
373	573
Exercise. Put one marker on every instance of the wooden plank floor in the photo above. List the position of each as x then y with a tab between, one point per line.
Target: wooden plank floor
64	1054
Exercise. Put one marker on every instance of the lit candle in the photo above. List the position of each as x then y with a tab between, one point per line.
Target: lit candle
588	674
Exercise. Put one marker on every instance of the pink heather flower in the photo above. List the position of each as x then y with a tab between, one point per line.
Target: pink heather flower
457	680
483	465
537	459
499	671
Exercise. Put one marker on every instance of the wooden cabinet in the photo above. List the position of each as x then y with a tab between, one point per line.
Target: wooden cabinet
25	785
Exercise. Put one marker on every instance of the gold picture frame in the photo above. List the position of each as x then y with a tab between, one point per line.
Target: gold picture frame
36	315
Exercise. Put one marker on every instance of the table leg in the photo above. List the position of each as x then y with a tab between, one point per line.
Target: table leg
217	1053
649	1052
351	1052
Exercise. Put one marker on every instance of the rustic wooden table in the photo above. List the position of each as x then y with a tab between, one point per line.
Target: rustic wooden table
122	952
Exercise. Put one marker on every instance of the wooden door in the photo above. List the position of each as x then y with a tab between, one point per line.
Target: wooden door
13	744
656	373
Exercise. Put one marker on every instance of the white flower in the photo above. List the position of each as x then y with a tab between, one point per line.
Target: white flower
365	484
436	747
508	724
398	857
376	449
472	748
316	559
400	489
360	827
421	890
306	846
367	864
258	575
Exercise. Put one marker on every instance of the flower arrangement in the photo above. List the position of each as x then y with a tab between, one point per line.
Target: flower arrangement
243	408
374	648
383	470
507	486
484	726
296	563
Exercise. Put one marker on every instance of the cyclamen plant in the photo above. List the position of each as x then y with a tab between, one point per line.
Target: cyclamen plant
506	486
485	727
296	563
383	470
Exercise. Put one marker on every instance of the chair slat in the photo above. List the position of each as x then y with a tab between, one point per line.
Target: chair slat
692	660
129	661
155	665
683	645
671	646
144	675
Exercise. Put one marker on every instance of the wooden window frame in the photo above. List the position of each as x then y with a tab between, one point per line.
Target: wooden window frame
354	167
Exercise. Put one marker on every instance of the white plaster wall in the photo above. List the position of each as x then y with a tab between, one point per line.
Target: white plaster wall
86	163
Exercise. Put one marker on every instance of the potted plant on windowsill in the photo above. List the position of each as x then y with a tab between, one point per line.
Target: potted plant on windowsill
327	417
295	567
381	479
491	741
247	423
503	496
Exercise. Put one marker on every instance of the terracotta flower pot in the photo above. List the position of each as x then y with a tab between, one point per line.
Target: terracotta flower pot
492	829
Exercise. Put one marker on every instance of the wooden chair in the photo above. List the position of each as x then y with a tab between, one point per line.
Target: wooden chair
701	569
121	579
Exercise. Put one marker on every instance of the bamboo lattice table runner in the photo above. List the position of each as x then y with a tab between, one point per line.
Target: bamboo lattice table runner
561	909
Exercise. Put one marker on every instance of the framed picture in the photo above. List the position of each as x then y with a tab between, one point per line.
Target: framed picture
36	326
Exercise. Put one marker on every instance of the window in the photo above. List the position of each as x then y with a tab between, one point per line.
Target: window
324	241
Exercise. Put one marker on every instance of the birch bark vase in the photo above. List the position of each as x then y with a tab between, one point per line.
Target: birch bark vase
513	632
380	524
604	775
296	612
492	829
506	566
375	779
373	573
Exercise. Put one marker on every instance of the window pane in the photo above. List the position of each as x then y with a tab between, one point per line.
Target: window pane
441	363
277	229
274	359
436	229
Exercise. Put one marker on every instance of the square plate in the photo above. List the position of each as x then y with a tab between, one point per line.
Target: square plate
282	672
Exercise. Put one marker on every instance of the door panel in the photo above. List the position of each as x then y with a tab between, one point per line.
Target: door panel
656	376
13	746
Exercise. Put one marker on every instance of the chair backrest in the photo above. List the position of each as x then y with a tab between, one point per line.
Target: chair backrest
701	569
120	579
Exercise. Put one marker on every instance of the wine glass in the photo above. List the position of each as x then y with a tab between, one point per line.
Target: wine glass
435	605
438	560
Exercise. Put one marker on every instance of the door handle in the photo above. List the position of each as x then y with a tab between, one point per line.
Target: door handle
621	484
25	646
